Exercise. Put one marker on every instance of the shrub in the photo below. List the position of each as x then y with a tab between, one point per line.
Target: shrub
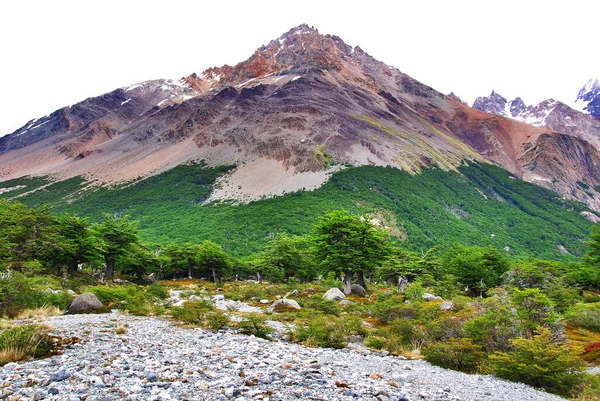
324	306
391	310
586	316
20	293
19	342
382	339
592	352
216	320
329	331
192	312
414	291
158	291
131	298
457	353
540	362
254	324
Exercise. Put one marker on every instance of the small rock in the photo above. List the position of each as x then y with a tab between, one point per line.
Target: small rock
354	339
38	395
293	293
53	391
345	302
341	384
60	376
264	301
152	377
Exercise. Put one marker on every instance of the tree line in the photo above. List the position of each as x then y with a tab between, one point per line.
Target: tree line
341	245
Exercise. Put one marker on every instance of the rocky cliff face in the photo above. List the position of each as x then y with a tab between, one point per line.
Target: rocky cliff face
305	103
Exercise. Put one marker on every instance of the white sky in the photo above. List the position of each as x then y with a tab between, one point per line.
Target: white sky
56	53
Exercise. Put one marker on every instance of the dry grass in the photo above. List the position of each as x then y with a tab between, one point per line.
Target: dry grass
121	330
19	342
40	313
11	354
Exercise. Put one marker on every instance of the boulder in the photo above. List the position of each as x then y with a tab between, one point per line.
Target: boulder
447	305
334	294
86	303
430	297
357	289
284	304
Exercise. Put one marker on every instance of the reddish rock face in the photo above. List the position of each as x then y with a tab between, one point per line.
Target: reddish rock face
307	100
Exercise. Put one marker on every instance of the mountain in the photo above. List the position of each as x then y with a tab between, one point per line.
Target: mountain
300	108
588	98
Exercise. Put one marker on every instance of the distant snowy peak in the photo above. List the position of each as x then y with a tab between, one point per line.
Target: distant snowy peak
496	104
588	98
516	108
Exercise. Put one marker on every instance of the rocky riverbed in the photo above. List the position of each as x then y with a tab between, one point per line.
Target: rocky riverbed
157	360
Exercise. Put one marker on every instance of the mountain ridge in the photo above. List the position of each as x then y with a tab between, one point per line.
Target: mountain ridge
299	106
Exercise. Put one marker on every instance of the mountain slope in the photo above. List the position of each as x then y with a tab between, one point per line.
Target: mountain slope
298	109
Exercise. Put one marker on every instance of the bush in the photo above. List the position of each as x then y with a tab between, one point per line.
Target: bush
391	310
540	362
216	320
414	291
131	298
322	305
329	331
254	325
20	293
158	291
457	353
20	342
586	316
192	312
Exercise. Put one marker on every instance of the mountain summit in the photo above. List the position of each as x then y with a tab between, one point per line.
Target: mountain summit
588	98
299	108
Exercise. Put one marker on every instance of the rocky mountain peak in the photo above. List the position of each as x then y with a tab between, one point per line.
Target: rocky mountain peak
588	98
494	103
517	107
302	49
456	97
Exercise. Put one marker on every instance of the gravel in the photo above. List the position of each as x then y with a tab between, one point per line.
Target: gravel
157	360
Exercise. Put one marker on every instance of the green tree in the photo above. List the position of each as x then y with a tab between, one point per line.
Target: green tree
183	257
117	235
82	245
213	258
292	255
475	267
28	235
137	261
348	245
592	259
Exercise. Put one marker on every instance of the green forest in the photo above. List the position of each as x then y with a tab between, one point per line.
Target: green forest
479	205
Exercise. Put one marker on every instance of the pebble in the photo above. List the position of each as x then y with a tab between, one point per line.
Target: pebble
162	361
